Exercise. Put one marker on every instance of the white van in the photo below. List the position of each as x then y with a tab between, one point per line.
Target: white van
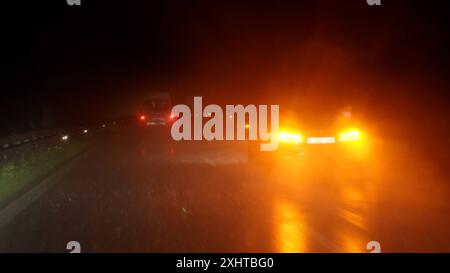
156	110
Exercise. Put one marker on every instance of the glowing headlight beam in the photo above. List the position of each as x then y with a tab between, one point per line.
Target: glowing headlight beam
289	137
349	136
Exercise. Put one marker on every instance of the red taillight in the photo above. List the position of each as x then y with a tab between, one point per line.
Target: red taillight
142	117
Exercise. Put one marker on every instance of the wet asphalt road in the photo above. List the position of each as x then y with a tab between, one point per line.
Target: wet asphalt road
135	191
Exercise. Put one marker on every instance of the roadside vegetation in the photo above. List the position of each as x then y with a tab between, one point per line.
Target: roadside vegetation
21	173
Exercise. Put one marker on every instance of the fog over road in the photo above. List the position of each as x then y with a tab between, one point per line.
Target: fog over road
138	191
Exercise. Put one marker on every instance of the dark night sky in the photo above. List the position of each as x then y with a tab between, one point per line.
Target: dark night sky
78	64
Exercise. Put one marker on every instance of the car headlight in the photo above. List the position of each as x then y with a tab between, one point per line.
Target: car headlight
352	135
290	137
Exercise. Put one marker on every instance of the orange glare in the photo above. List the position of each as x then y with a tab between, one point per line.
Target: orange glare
290	137
353	135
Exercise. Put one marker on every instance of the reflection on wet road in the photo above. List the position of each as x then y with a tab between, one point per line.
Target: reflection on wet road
137	191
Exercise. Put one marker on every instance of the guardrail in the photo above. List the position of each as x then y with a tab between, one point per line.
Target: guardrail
13	141
19	146
16	146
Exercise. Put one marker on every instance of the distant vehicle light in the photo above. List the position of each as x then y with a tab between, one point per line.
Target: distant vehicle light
353	135
65	137
85	131
290	137
142	117
321	140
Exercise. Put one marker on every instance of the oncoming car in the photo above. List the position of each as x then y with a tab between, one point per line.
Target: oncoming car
341	139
